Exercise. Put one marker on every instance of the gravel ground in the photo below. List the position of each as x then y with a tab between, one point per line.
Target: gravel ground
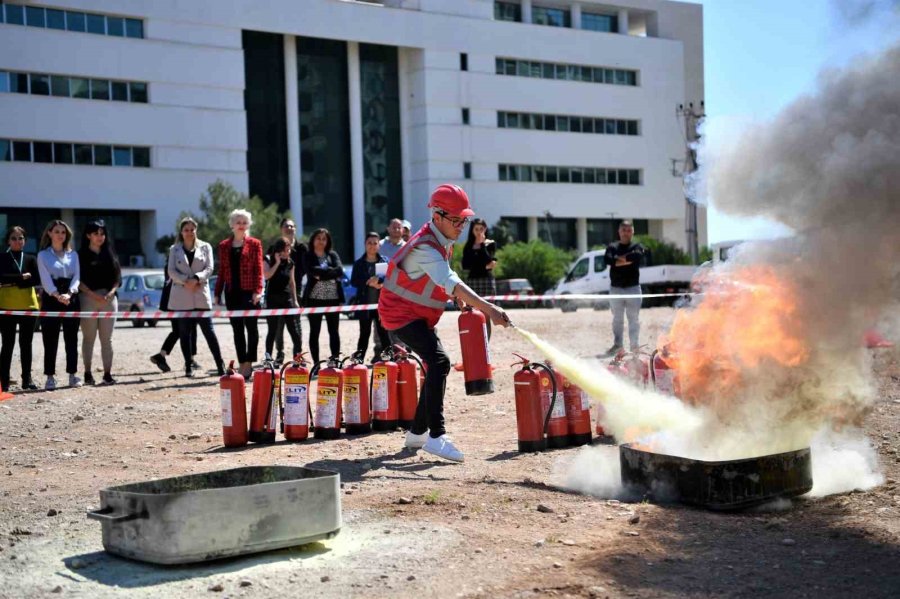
470	530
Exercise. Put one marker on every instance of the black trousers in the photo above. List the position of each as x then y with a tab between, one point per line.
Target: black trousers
425	342
275	334
8	326
172	338
187	335
368	319
246	332
50	327
333	321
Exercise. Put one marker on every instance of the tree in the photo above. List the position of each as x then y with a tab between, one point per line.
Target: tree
218	202
501	233
663	252
537	261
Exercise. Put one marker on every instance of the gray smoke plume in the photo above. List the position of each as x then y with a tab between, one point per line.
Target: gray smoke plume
857	12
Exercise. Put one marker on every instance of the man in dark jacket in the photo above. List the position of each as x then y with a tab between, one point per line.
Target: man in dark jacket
624	260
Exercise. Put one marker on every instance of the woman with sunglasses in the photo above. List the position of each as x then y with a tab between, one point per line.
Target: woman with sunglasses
101	277
18	277
60	273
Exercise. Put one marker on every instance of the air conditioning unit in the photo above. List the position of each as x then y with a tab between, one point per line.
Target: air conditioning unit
136	261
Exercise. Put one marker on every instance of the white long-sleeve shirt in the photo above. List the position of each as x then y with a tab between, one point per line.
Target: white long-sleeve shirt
51	266
426	260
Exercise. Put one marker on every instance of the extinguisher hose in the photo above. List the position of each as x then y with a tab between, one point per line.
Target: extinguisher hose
652	369
371	390
313	373
271	366
284	367
552	396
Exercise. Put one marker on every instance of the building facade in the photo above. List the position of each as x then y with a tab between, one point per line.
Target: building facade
559	118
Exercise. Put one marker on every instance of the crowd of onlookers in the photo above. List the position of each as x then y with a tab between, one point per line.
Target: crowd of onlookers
288	273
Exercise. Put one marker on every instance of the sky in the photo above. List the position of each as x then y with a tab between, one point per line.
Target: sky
760	55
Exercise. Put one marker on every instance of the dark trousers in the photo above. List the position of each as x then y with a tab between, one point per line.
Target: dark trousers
368	319
425	342
275	334
8	326
187	335
333	321
172	338
246	333
50	334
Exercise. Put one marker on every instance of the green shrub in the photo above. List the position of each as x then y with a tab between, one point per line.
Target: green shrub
537	261
663	252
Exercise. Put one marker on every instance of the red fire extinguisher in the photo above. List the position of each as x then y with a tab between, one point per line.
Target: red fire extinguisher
234	408
665	378
355	393
295	409
476	355
578	413
408	379
554	401
637	365
535	407
328	399
600	417
385	404
263	412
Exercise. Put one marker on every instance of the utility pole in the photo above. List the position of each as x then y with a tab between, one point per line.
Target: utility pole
692	119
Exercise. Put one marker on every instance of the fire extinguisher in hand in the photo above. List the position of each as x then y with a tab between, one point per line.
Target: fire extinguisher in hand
476	355
296	414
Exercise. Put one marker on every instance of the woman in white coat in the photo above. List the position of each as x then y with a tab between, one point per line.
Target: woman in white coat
190	266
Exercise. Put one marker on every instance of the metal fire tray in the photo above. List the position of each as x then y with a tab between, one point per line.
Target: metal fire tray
726	485
220	514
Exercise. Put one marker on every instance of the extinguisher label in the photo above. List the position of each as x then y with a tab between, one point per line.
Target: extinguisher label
559	407
585	401
351	404
295	402
326	407
380	391
225	400
487	346
665	380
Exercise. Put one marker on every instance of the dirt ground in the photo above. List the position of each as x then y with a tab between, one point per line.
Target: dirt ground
470	530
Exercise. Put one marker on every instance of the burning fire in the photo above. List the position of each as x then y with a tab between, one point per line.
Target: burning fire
746	320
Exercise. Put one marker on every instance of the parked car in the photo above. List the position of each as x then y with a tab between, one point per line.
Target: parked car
515	287
141	291
589	275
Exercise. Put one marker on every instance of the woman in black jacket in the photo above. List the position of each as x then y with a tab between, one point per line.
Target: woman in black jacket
368	287
18	277
478	258
323	288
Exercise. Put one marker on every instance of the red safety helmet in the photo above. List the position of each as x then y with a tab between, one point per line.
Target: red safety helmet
451	199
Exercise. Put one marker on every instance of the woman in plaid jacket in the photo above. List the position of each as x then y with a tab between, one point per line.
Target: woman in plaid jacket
241	277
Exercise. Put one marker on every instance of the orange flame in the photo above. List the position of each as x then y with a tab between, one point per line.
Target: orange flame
745	321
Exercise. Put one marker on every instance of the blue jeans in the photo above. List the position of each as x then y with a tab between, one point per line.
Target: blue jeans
621	307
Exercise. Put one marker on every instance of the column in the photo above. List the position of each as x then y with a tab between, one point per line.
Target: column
532	228
623	21
403	90
357	175
292	104
576	15
581	234
526	11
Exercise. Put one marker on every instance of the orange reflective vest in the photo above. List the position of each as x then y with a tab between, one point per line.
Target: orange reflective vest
403	299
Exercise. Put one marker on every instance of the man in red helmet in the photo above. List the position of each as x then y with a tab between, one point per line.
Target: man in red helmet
418	284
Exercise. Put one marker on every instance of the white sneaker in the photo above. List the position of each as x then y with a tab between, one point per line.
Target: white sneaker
74	381
414	441
50	385
443	448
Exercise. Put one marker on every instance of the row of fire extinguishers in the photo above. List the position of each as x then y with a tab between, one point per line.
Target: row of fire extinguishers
348	395
553	412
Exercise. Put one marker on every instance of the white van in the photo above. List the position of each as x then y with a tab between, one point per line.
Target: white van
589	274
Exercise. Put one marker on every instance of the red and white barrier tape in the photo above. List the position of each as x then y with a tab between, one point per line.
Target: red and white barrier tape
158	315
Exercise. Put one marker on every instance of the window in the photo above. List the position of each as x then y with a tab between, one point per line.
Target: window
59	86
599	264
632	127
99	89
621	127
18	83
62	153
562	123
501	119
634	177
43	151
131	284
4	82
76	21
34	16
568	72
84	154
611	177
5	151
80	87
103	155
40	85
507	11
465	116
502	172
577	175
588	175
554	17
141	157
119	91
96	24
463	62
564	174
15	14
56	19
580	269
115	26
122	156
134	28
499	65
595	22
551	175
467	170
138	92
21	151
568	174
